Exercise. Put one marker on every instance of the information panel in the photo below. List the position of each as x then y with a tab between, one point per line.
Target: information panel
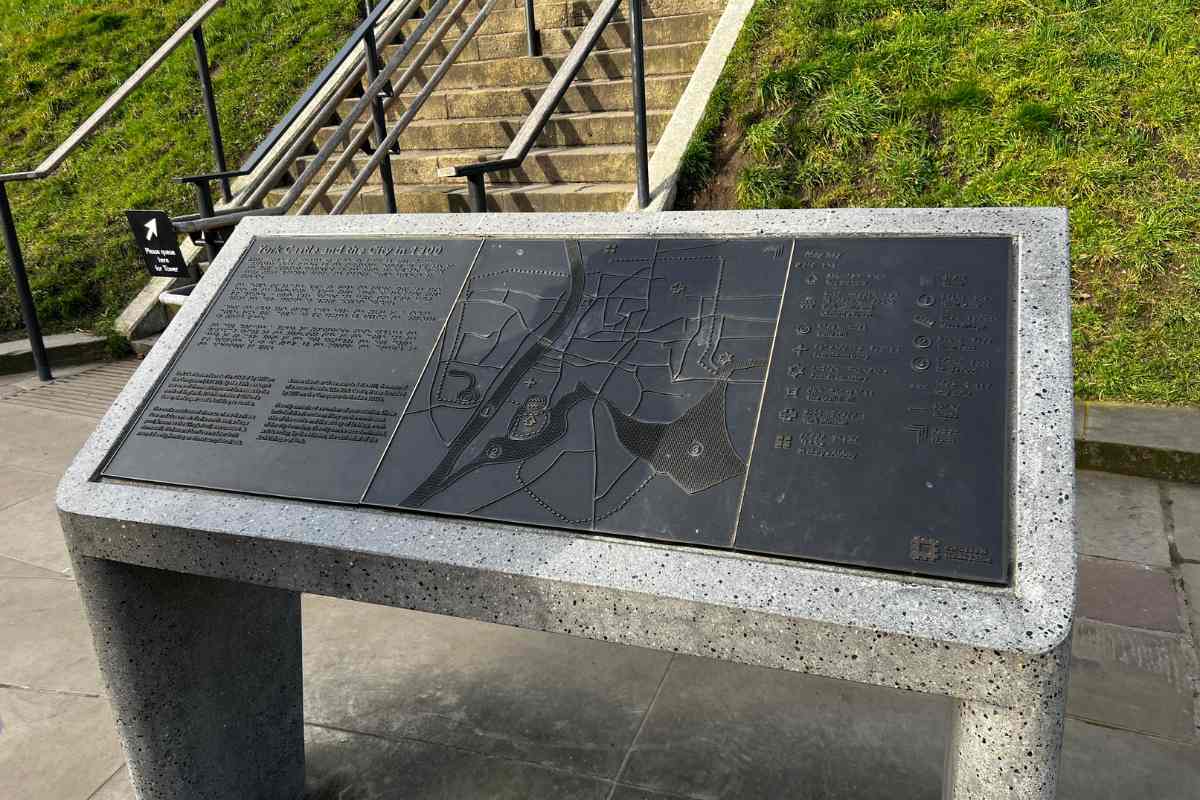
843	400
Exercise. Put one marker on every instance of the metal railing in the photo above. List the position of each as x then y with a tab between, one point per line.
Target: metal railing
190	29
272	164
269	166
365	34
536	122
351	137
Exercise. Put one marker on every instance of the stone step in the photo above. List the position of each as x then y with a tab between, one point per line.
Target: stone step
662	92
62	349
666	59
656	31
542	197
595	164
574	13
609	127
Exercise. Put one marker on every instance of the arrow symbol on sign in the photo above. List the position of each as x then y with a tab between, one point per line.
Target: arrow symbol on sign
151	229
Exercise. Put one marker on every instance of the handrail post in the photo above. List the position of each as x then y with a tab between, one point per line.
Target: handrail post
533	37
28	310
210	108
641	146
378	116
204	204
476	193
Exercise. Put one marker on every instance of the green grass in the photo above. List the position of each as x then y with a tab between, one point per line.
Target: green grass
1088	104
59	59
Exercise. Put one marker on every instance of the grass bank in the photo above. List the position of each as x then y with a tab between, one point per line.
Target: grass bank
59	59
1088	104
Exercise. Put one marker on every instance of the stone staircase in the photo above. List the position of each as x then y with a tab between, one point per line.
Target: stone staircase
584	159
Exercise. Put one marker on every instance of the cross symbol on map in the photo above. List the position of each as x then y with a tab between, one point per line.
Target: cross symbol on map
610	249
531	381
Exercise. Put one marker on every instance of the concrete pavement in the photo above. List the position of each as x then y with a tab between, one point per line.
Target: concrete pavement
401	704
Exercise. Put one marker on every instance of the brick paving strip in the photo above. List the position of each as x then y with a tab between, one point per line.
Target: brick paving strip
403	704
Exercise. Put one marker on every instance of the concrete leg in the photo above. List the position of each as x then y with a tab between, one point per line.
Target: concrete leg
204	677
1009	753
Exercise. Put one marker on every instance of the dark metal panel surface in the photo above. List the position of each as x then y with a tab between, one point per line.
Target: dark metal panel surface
882	439
598	385
296	376
615	386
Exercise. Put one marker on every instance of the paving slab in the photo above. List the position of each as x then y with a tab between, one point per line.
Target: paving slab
13	568
638	793
721	730
117	787
17	485
349	766
1184	503
1191	583
1123	593
44	640
55	746
1121	517
556	700
30	532
1100	763
24	381
41	440
1133	679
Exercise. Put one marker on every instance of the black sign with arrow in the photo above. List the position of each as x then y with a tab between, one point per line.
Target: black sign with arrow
155	237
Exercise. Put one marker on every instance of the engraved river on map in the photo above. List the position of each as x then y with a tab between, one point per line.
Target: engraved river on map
609	386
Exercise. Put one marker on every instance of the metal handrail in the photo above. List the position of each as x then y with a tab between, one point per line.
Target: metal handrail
379	96
252	206
540	115
365	30
346	137
251	196
16	260
53	161
357	140
414	107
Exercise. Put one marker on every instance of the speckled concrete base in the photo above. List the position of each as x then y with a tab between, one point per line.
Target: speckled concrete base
204	677
1011	753
1003	651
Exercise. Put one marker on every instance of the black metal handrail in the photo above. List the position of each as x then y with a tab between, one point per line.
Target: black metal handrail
379	96
539	116
53	161
364	34
191	28
349	136
252	202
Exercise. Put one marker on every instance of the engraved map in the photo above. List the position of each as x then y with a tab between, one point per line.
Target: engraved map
602	385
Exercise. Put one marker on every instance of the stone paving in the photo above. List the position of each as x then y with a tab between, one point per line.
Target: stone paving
401	704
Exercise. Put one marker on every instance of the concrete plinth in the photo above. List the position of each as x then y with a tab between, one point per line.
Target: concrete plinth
204	677
199	638
1013	753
